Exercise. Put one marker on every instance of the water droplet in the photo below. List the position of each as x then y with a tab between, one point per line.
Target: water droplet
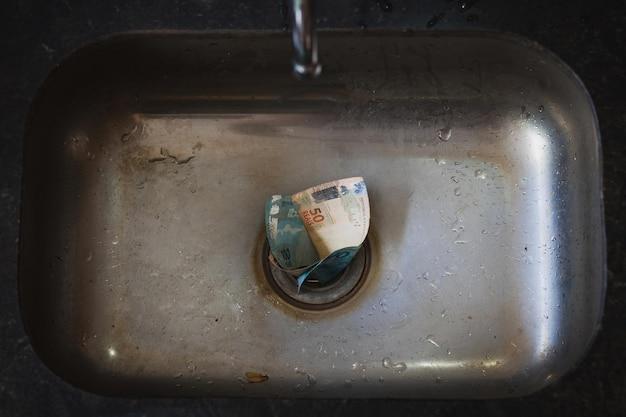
383	305
385	5
540	109
465	5
444	134
457	191
396	366
432	341
479	173
360	366
400	323
310	380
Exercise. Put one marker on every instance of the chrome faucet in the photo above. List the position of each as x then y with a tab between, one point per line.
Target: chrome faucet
305	62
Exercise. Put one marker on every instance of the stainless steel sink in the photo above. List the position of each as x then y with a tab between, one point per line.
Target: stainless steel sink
147	161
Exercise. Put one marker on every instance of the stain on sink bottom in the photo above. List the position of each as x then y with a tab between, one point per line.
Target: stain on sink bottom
143	205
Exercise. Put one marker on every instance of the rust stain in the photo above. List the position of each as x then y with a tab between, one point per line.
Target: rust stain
256	377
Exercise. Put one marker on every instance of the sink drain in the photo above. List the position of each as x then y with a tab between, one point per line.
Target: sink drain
313	295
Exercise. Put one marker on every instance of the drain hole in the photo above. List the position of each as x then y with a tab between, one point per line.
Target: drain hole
314	295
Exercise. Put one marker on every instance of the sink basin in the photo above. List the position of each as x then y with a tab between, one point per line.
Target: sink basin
147	162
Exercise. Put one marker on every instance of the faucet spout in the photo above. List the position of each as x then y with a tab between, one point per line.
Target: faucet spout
305	61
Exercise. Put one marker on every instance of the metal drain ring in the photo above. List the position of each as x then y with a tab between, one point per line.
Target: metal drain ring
315	297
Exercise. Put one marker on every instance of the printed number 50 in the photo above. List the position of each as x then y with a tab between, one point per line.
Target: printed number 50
317	215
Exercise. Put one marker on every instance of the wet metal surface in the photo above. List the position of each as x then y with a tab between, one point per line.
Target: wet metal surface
147	162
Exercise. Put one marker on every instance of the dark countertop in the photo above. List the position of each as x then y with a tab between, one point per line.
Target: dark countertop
589	36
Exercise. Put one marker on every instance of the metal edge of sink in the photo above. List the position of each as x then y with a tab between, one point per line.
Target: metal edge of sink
34	296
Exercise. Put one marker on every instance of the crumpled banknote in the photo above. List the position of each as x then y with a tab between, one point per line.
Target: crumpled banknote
314	234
